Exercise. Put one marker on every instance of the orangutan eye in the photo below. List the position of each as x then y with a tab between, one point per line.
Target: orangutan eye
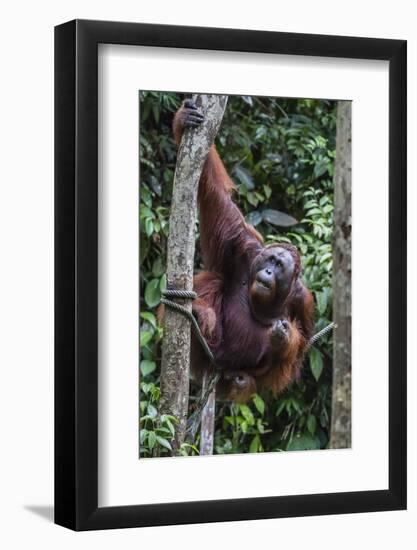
279	263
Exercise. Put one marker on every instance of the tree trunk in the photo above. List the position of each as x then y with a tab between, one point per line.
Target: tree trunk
207	421
175	364
341	398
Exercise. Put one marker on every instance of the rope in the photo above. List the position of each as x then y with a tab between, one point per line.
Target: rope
180	294
195	418
321	333
191	295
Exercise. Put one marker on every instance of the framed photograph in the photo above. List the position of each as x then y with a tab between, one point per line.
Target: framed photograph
230	255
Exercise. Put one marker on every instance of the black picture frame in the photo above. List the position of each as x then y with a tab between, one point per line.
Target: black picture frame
76	271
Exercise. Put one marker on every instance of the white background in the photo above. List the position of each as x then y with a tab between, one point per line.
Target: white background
26	400
122	478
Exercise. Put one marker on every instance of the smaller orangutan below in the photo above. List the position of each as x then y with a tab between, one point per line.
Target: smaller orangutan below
252	307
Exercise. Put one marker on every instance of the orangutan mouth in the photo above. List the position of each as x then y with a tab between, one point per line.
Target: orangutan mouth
263	284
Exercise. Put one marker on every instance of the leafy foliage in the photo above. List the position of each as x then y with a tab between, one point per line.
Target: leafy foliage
156	430
280	153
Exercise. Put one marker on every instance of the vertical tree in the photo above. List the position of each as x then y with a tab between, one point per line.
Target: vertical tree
175	364
341	400
207	421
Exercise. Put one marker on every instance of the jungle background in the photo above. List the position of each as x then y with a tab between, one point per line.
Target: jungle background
280	153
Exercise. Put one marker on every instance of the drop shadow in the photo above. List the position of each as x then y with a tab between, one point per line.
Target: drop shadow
45	512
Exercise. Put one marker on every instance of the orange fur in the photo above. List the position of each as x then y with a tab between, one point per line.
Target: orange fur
242	344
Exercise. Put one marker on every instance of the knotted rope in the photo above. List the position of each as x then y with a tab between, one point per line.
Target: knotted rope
190	295
321	333
195	418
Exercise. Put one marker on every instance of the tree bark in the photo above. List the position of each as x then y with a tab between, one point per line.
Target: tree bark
341	397
207	421
191	156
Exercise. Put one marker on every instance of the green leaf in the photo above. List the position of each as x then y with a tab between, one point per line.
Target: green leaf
155	392
155	184
310	204
259	403
163	283
230	420
261	131
260	426
255	444
244	177
281	407
158	267
278	218
145	212
163	431
247	414
145	196
254	218
313	212
164	442
320	168
243	190
155	110
321	298
150	317
292	402
145	337
165	417
157	226
152	412
252	199
325	257
143	434
145	110
151	440
170	427
311	424
316	363
146	388
274	157
148	227
267	191
185	446
146	367
303	442
152	293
